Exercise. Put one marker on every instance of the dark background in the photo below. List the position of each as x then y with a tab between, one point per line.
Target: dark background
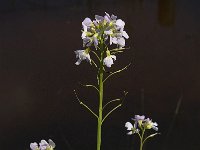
38	75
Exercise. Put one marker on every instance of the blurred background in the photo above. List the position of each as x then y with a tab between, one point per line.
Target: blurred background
38	75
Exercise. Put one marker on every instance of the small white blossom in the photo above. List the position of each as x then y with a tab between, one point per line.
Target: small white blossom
121	42
148	124
82	55
108	61
34	146
43	145
51	143
120	24
131	128
87	22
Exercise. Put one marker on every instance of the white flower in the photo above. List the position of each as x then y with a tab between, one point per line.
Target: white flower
121	42
43	145
113	40
47	146
148	124
129	126
51	144
108	61
120	24
82	55
132	129
34	146
87	22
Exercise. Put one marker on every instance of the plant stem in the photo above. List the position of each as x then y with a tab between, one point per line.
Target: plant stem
100	98
141	139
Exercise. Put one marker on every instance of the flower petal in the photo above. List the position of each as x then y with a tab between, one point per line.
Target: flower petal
87	22
125	34
99	18
121	42
130	133
129	126
52	144
34	146
113	57
120	23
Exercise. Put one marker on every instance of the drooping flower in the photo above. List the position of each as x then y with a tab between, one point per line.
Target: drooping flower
82	55
108	61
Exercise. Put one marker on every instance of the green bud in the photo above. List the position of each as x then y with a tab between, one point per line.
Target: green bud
111	23
87	50
89	34
107	52
140	122
148	125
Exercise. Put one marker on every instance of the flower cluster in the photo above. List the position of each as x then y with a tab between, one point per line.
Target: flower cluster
104	29
43	145
140	123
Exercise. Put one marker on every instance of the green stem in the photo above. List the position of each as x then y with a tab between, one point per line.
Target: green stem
141	139
100	97
114	100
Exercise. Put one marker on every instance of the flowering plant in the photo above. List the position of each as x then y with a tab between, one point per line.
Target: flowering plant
140	126
97	36
43	145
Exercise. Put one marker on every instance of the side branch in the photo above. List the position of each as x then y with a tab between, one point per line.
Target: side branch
111	112
96	55
118	49
90	85
152	135
122	100
118	71
114	100
94	63
81	103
